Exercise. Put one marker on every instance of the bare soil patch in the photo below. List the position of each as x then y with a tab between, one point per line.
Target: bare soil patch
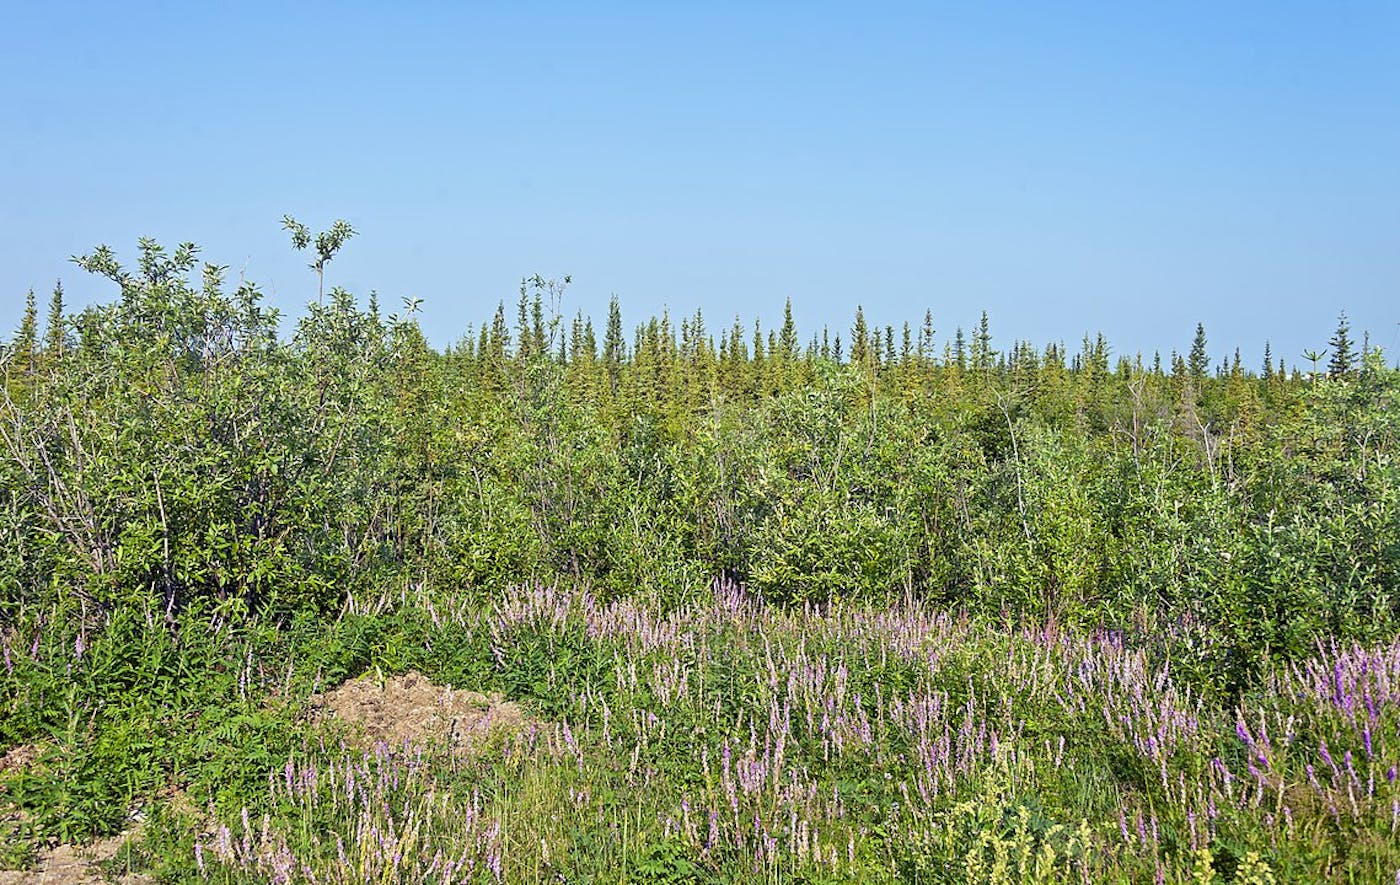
74	865
411	709
17	757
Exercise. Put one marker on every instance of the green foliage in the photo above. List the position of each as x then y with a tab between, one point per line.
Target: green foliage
181	448
205	519
666	863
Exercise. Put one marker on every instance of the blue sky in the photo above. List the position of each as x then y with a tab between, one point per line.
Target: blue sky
1072	167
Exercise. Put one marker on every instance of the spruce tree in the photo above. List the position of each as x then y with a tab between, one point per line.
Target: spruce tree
787	339
27	339
982	345
524	340
1343	361
55	334
926	337
614	346
860	338
1198	363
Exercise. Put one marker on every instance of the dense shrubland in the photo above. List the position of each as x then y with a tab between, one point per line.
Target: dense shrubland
1126	618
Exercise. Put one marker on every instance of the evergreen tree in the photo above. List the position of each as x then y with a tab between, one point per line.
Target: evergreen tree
738	350
760	375
27	339
1268	362
614	346
1343	360
787	338
500	334
524	339
590	341
576	343
537	329
926	337
860	338
1198	364
982	345
55	335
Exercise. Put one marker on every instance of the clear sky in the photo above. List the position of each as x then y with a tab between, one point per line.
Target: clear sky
1130	168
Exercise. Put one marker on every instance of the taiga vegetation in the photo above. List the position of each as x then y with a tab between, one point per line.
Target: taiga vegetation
885	603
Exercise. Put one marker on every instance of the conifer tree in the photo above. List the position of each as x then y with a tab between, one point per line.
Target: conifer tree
524	340
55	335
982	345
1199	362
926	338
1343	360
787	338
576	342
590	341
614	347
860	336
537	330
26	339
760	373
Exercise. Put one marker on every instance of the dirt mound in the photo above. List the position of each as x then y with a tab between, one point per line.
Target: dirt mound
410	709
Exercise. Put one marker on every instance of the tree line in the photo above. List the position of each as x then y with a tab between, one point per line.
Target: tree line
178	444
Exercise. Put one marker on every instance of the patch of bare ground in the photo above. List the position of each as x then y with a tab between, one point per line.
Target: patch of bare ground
68	864
411	709
75	865
18	757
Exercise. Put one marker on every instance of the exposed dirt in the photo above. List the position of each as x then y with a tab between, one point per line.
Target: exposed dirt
65	864
18	757
410	709
401	710
74	865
